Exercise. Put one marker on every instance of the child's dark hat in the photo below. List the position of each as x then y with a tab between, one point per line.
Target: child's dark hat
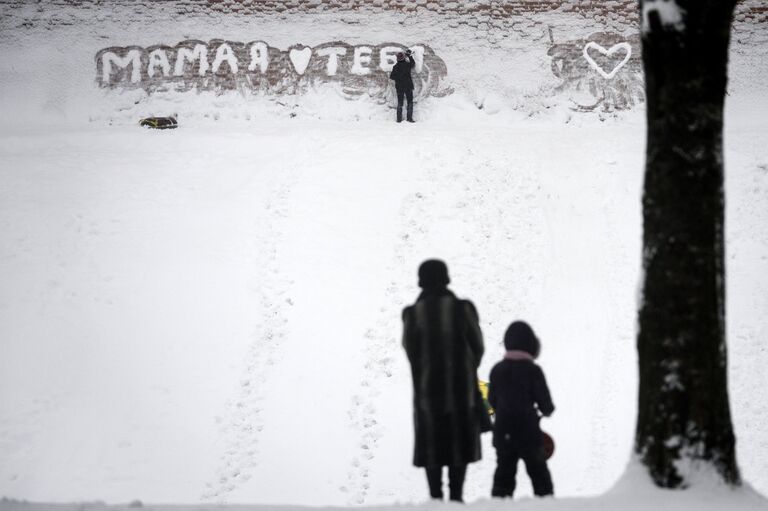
520	336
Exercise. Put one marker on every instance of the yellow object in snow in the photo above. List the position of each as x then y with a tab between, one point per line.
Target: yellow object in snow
484	392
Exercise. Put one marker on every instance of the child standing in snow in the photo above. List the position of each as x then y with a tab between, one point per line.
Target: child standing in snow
520	396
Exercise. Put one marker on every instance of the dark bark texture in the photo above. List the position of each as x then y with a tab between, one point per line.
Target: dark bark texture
683	410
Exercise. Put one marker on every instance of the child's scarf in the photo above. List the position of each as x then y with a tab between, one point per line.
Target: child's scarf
518	355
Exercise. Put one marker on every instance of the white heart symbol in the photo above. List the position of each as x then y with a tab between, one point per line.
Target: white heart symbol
616	47
300	58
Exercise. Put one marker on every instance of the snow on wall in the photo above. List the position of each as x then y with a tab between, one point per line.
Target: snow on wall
603	70
523	56
604	66
256	67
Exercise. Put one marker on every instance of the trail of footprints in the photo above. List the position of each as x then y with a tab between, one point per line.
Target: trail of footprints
512	219
479	182
381	348
244	423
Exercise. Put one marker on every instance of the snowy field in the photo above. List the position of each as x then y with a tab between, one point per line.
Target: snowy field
212	314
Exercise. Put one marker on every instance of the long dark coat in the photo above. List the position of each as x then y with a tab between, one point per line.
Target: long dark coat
442	338
518	393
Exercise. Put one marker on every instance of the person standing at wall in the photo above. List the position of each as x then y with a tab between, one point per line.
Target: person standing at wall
401	74
444	344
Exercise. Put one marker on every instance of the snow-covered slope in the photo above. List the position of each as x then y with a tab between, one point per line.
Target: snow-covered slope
213	313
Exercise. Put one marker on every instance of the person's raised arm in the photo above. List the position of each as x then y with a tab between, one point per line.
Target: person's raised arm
411	59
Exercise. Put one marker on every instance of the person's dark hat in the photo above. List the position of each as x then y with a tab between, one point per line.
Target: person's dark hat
400	56
520	336
433	273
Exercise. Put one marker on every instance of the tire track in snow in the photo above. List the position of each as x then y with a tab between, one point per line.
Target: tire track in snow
245	420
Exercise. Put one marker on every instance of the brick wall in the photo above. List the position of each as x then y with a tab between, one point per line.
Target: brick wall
498	27
747	10
489	11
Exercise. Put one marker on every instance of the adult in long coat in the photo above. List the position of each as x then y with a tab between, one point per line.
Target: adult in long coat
442	338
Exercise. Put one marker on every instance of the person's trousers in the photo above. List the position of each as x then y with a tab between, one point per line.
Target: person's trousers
456	476
535	461
408	95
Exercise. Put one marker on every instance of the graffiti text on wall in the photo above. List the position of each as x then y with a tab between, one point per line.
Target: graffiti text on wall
602	71
256	67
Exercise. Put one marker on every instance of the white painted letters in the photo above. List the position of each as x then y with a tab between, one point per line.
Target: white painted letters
259	57
158	57
225	54
361	60
132	58
418	56
333	54
388	57
199	52
220	65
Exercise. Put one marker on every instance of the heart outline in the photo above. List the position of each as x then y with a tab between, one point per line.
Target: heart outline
304	55
607	53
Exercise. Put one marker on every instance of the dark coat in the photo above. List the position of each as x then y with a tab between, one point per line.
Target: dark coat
442	338
518	393
401	74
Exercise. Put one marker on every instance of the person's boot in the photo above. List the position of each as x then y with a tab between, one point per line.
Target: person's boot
456	476
410	120
435	481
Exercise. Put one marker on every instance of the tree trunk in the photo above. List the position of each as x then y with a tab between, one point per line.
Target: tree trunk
684	422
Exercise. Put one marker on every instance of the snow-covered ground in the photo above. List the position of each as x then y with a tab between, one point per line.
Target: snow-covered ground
213	313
